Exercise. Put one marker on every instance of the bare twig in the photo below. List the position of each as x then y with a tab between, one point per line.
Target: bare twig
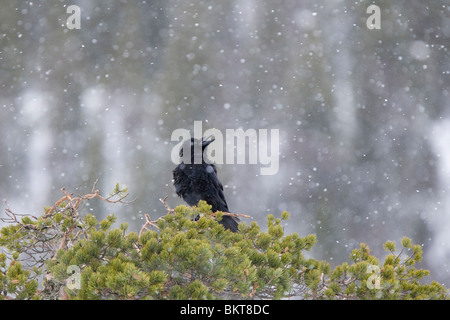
154	223
148	222
169	209
74	202
230	214
48	237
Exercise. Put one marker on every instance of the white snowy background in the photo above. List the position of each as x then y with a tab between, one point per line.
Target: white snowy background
364	115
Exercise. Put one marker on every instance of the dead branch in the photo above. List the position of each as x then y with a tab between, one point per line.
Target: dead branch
237	215
74	202
169	209
148	222
48	235
154	223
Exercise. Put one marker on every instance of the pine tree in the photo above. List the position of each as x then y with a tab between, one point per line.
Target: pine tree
65	254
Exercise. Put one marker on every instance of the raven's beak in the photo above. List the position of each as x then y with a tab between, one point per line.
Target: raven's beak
206	142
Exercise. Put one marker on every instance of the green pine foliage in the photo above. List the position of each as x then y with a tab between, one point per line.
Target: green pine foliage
62	255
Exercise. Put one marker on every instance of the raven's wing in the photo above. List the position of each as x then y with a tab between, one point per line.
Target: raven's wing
218	201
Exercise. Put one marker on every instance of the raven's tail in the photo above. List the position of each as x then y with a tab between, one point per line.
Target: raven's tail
230	223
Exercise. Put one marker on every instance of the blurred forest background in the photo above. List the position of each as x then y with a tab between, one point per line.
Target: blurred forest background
364	115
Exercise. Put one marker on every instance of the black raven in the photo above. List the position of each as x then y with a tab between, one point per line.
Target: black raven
198	181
